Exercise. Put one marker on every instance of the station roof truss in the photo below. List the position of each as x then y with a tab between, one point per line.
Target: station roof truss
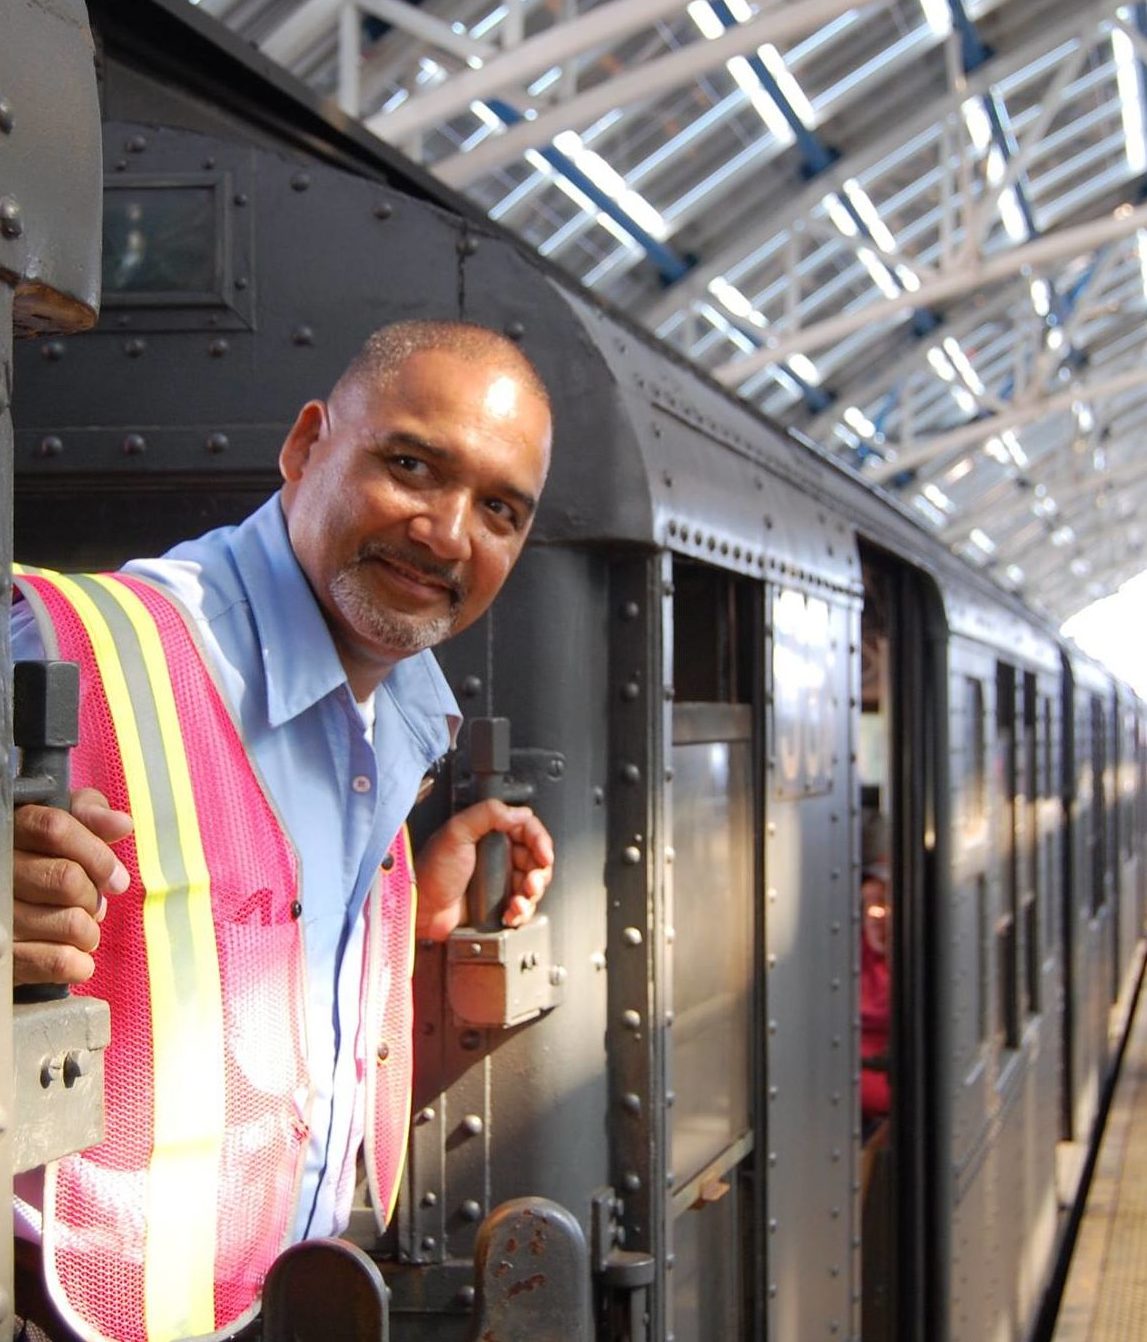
913	231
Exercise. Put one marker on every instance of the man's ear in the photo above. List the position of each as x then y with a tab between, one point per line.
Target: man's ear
304	433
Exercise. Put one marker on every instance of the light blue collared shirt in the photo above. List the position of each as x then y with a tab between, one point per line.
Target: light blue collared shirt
341	796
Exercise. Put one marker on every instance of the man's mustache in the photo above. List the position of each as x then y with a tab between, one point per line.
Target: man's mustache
444	574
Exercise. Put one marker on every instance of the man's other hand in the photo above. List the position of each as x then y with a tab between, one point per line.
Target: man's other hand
62	871
448	858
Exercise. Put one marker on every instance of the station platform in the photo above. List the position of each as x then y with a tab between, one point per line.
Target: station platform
1105	1295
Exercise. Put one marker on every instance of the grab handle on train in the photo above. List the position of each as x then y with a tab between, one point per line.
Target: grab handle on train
490	768
45	726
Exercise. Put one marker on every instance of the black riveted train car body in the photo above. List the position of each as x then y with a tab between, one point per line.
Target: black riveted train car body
723	659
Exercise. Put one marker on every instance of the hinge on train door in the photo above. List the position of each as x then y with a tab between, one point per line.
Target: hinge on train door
497	977
623	1277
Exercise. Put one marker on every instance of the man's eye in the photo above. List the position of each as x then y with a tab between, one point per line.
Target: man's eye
410	465
504	513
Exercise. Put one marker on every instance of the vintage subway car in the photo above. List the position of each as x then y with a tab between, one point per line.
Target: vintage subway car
720	657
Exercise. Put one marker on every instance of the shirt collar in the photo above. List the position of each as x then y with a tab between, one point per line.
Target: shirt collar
288	620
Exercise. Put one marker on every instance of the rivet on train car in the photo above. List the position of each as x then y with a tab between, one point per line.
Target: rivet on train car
667	479
134	445
668	692
631	1019
771	828
296	909
835	984
218	347
11	224
425	1115
7	117
303	335
598	960
632	936
631	1102
670	1017
630	690
240	198
475	948
383	1051
631	1182
470	1039
472	1124
670	935
773	1026
208	163
698	536
774	1225
51	446
465	1296
598	796
724	547
768	522
737	552
774	1091
835	926
121	165
466	245
712	542
429	1243
836	1041
134	346
670	854
471	687
834	1325
771	894
558	975
429	1199
670	1180
217	442
631	855
630	610
383	210
470	1210
300	181
670	1098
241	282
672	528
515	330
772	1290
771	961
669	775
556	767
53	351
135	144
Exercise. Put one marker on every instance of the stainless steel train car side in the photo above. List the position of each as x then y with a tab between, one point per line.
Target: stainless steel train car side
684	655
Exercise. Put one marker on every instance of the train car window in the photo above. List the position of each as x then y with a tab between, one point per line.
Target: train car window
1008	836
983	1008
975	778
163	242
712	657
1050	813
1029	820
803	716
1097	824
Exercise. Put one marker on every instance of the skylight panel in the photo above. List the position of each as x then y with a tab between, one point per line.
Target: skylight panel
938	14
1130	82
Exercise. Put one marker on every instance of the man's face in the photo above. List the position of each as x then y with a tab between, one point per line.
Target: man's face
408	504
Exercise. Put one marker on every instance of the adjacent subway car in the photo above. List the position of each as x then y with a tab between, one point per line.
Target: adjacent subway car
723	659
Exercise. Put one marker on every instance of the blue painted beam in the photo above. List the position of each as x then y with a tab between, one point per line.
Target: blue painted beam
670	266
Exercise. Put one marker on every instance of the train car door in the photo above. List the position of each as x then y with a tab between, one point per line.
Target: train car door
900	913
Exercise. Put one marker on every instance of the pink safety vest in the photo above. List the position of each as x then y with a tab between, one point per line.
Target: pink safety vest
167	1228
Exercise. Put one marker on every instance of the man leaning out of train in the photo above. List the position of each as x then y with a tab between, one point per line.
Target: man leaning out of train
259	708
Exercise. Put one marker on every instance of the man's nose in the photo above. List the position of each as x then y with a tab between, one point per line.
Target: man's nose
444	527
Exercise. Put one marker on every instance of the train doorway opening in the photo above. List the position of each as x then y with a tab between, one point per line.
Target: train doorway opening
899	749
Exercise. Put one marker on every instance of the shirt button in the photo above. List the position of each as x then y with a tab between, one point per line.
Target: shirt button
360	783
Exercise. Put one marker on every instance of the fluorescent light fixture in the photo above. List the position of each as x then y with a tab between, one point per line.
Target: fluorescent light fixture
936	495
964	399
881	275
856	419
545	79
997	451
491	21
767	110
730	297
1015	574
428	70
774	63
396	99
1041	297
740	10
930	511
959	470
487	116
908	277
475	62
1131	99
1062	536
1083	416
1079	566
982	540
845	223
1054	338
963	365
701	12
607	179
877	228
997	166
1015	451
940	365
979	127
804	368
939	16
1015	225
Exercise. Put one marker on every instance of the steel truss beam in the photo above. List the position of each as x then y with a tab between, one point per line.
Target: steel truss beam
943	287
778	25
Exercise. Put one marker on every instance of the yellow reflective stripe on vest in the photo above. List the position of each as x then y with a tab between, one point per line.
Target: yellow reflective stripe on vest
183	967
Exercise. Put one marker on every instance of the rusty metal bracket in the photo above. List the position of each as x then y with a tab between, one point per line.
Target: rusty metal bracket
498	979
532	1270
